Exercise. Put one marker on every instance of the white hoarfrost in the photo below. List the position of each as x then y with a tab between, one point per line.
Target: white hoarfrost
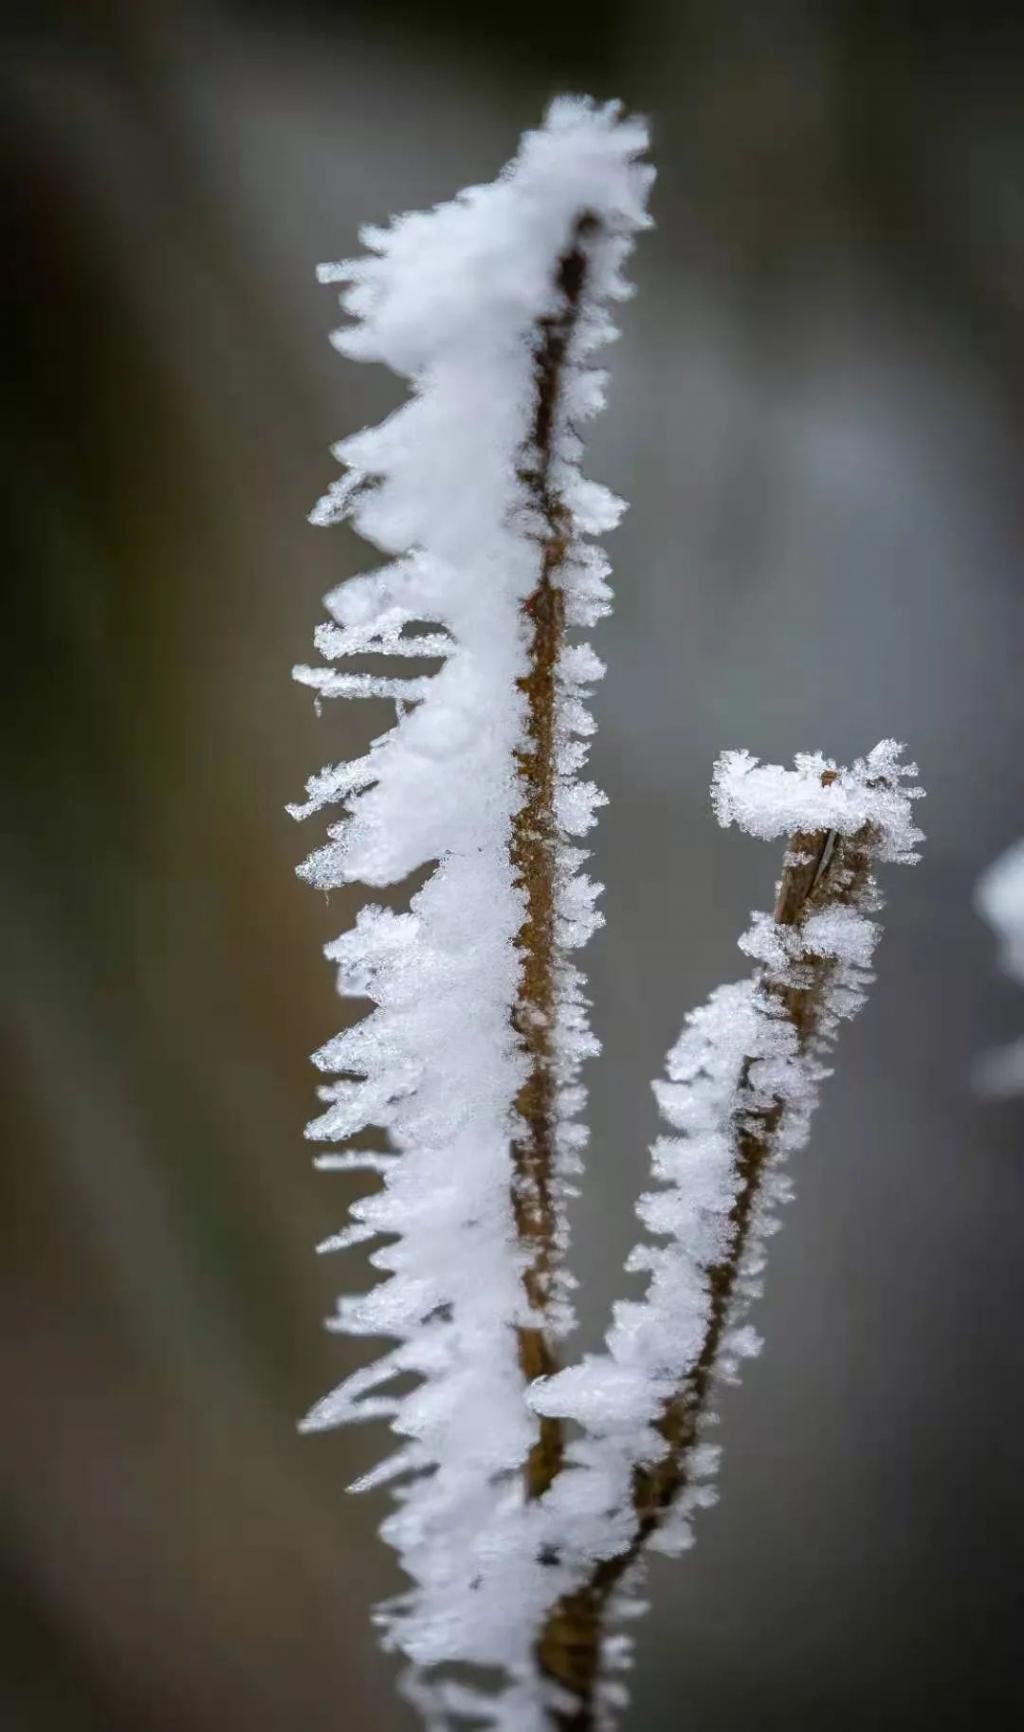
769	801
1000	899
455	301
737	1056
464	302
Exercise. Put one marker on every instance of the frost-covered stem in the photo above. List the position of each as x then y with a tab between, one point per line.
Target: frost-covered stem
467	1065
821	870
534	851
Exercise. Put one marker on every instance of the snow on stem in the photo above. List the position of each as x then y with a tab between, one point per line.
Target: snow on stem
743	1082
492	306
524	1494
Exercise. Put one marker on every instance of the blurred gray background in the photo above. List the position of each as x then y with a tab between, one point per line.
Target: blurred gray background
816	414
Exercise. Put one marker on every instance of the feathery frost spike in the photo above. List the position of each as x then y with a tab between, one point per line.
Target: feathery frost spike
492	307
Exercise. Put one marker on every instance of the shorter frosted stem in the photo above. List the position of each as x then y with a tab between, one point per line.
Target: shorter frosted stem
821	870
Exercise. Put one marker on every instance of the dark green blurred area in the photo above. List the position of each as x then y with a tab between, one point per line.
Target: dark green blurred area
816	414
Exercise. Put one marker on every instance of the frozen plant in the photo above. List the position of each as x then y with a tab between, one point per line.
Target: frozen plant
526	1492
1000	899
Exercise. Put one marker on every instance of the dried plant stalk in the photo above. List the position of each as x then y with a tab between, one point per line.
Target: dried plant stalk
469	1060
534	852
821	870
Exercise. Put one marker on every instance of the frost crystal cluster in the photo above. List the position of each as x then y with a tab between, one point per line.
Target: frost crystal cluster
525	1491
1000	898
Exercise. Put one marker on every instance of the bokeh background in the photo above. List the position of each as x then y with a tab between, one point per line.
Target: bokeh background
816	413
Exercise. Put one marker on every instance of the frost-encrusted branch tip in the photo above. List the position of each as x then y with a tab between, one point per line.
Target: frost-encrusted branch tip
769	801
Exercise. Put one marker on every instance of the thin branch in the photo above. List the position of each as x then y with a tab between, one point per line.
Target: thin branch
534	854
821	870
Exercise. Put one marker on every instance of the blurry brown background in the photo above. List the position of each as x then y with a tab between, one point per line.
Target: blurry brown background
816	415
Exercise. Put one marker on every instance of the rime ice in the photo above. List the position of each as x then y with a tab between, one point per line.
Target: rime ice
740	1061
461	491
454	300
769	801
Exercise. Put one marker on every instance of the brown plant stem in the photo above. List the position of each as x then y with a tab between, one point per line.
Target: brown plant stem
534	854
821	870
